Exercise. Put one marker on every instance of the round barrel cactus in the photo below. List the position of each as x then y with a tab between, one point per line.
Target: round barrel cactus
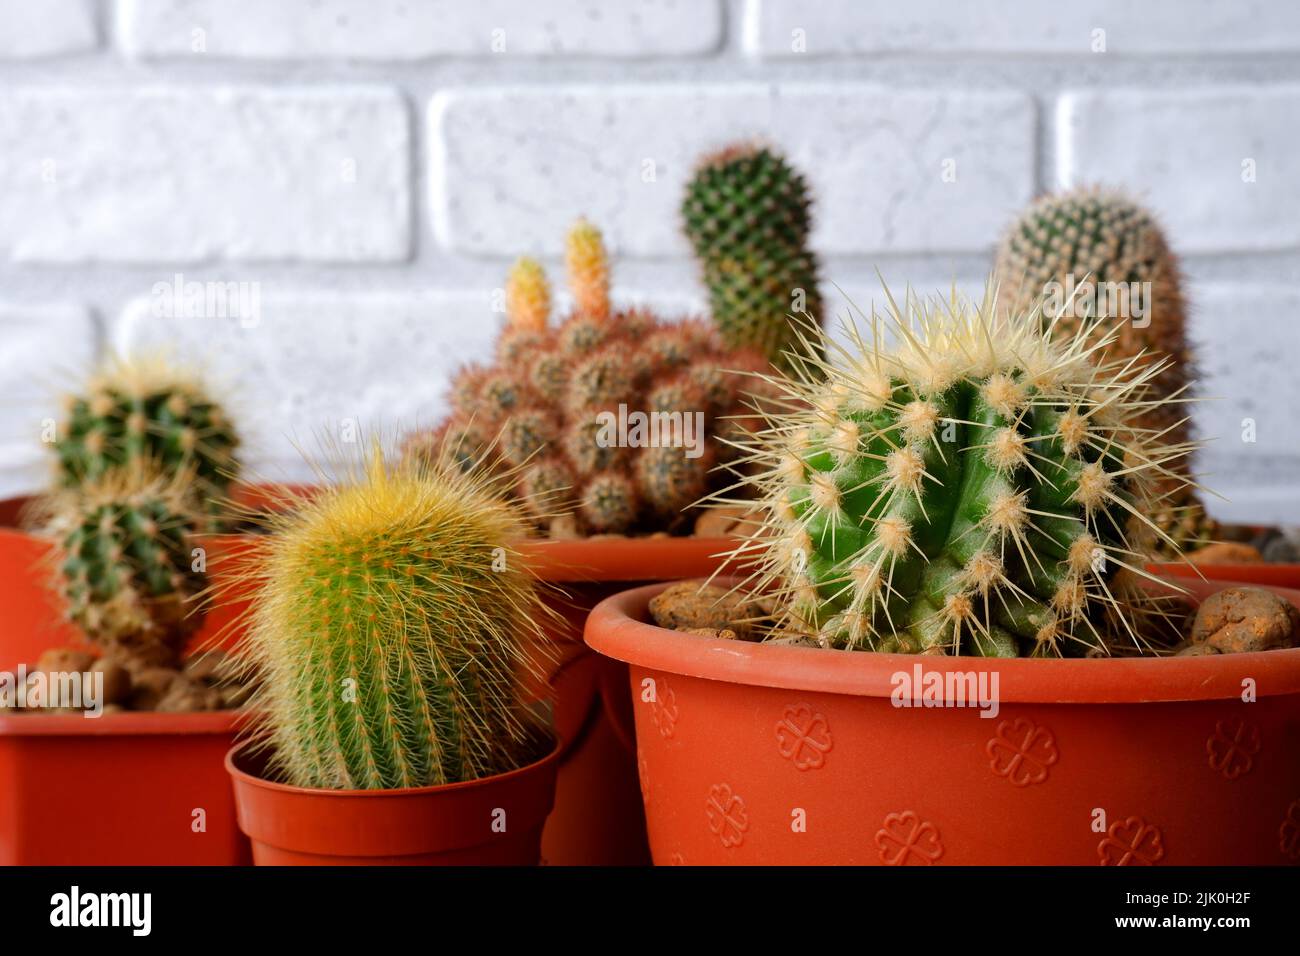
961	481
394	631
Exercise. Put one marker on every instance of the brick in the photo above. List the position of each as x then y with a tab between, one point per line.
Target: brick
210	173
1190	152
48	349
1245	346
848	27
401	30
47	28
620	156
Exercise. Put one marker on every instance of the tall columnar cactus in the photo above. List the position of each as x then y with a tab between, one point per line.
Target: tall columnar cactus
1094	253
127	568
554	402
138	412
980	488
746	214
393	629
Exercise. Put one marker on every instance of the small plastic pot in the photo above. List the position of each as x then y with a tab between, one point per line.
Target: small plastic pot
495	821
762	754
598	819
119	790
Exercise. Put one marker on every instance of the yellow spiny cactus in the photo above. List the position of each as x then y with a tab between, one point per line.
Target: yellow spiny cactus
528	296
588	267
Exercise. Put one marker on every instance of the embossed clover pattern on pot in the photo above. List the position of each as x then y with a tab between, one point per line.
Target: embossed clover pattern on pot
728	819
1022	751
1131	842
803	736
906	838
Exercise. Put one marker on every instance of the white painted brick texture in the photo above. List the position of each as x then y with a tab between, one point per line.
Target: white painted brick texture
1217	164
189	174
879	159
46	28
406	30
839	27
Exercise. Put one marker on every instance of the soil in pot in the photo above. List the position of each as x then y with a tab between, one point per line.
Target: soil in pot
493	821
763	754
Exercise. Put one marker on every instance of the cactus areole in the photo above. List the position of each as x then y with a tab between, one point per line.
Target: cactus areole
975	486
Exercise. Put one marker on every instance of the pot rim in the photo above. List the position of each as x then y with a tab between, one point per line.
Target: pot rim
603	559
616	628
241	752
125	724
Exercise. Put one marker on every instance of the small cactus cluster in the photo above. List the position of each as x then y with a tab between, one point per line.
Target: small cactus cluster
142	461
746	214
1093	253
555	397
962	481
394	632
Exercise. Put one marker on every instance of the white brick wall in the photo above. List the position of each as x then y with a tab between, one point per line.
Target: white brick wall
372	167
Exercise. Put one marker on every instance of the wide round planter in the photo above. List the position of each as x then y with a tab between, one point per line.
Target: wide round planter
762	754
495	821
598	819
118	790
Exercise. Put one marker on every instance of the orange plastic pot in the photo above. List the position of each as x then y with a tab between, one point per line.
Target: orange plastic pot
1270	575
122	790
761	754
496	821
598	819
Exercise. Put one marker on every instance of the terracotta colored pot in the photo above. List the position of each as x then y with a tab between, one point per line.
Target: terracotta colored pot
1271	575
759	754
598	819
496	821
122	789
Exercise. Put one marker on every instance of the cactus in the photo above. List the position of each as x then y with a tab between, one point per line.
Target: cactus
125	565
549	400
979	488
1105	256
588	266
143	411
746	214
528	295
394	629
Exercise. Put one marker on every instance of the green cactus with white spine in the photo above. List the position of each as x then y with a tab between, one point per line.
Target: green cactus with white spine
980	487
747	215
394	630
143	411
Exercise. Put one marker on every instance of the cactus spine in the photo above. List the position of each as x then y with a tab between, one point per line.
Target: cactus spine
746	214
393	629
1104	256
980	488
125	564
554	403
138	412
